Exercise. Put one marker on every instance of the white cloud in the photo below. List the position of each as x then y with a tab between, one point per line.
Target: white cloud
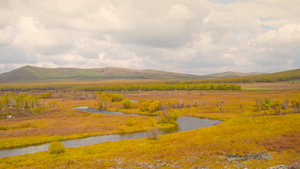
6	35
286	35
33	36
179	12
196	36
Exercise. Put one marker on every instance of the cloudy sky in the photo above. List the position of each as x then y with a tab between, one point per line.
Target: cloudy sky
189	36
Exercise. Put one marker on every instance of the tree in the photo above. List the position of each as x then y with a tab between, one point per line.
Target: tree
21	101
20	98
31	101
52	104
5	100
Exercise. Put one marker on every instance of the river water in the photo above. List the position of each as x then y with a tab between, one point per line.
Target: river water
185	123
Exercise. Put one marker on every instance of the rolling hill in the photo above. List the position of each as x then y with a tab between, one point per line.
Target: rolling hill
233	74
37	74
289	75
32	74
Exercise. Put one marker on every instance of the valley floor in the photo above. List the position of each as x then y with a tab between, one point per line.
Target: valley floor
247	138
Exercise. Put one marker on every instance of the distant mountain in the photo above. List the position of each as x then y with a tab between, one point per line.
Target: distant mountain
289	75
234	74
32	74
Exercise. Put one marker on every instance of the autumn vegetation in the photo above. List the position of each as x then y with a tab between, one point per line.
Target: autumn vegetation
256	122
56	148
270	77
122	87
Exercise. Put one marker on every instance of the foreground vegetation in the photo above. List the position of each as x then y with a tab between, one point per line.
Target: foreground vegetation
208	147
53	124
260	129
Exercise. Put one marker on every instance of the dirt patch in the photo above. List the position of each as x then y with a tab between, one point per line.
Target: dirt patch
253	156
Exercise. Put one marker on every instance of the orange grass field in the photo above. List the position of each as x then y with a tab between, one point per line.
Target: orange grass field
242	133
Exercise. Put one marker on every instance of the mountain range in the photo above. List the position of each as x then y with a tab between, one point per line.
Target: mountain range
32	74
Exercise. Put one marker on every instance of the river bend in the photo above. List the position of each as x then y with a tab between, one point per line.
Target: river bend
185	123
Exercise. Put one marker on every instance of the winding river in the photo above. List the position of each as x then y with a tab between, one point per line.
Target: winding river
185	123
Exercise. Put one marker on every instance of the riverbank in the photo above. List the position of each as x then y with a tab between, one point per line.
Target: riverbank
66	124
203	147
184	124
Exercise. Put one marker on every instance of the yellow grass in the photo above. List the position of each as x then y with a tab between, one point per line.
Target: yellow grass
66	123
242	132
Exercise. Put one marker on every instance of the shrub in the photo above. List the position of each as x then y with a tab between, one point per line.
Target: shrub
266	104
111	96
56	148
153	134
122	128
180	104
150	105
45	95
126	104
174	114
277	105
258	105
130	121
52	104
295	102
195	103
169	116
188	105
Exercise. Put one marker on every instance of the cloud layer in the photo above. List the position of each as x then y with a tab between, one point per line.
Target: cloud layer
196	36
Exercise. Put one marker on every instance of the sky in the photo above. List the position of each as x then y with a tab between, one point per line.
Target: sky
187	36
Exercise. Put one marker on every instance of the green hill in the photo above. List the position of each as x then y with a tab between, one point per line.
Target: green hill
290	75
233	74
32	74
39	75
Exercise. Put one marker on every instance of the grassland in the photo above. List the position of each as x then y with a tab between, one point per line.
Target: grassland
66	123
296	80
203	147
243	132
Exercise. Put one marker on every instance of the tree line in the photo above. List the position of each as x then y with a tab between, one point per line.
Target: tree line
163	86
141	86
21	101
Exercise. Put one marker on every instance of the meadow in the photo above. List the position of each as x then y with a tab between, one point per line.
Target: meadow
260	129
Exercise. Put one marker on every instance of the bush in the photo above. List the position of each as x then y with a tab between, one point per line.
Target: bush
169	116
149	105
130	121
52	104
295	102
110	96
153	134
45	95
126	104
258	105
56	148
277	103
266	104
